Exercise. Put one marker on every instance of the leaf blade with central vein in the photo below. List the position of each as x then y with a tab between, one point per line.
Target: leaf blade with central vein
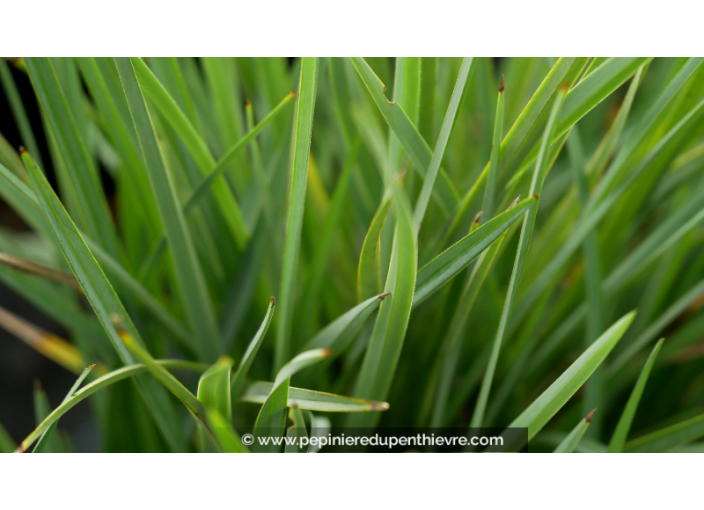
450	262
303	127
102	298
190	280
552	399
92	205
407	134
196	145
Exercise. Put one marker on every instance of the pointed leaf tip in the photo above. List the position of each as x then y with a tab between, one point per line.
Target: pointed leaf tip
501	87
383	295
588	418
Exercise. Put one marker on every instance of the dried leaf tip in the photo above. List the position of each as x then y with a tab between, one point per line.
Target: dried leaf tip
589	417
23	150
248	104
475	221
272	302
536	196
326	353
380	406
383	295
37	385
514	203
501	87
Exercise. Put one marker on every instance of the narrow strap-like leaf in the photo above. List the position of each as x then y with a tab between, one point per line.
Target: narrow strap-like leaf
302	130
102	297
194	295
618	439
458	95
570	442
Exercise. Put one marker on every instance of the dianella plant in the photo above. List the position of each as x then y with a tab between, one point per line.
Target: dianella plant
277	247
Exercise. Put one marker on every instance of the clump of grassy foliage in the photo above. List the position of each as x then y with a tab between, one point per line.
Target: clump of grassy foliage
378	203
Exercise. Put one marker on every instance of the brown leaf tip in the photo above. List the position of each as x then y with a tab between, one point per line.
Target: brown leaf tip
514	203
566	86
92	366
248	104
23	150
536	196
383	295
37	385
476	217
501	87
272	302
380	406
326	353
589	417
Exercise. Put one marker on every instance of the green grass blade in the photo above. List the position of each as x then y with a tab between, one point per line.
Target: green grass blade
310	400
214	388
572	439
164	376
645	128
669	437
24	201
595	212
527	125
624	424
442	268
227	439
458	95
298	429
552	399
384	350
251	352
42	409
7	445
272	416
302	130
46	436
452	343
319	427
407	134
191	284
669	315
18	111
337	335
92	205
331	227
100	383
536	186
592	89
592	274
203	187
494	168
196	145
101	296
368	272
